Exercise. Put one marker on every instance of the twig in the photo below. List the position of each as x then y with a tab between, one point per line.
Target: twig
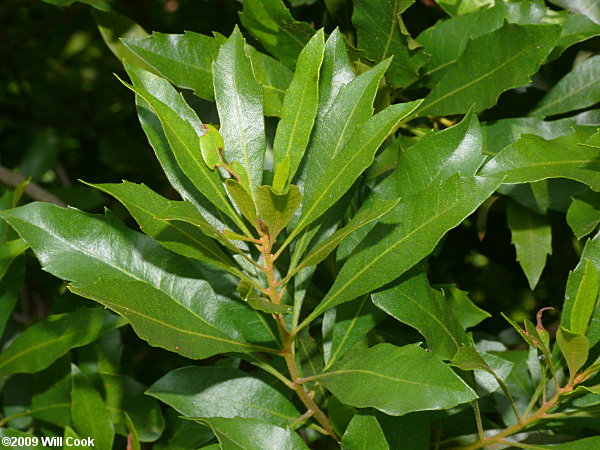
33	190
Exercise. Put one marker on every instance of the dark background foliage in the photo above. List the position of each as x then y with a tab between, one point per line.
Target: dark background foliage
64	116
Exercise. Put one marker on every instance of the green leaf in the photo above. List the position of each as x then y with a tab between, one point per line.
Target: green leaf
533	158
381	33
133	441
182	434
364	433
126	399
186	61
46	341
578	89
158	140
211	146
239	434
583	215
406	235
183	59
9	252
574	348
220	392
589	8
242	200
466	312
401	380
299	107
353	321
270	22
161	219
578	287
182	129
336	72
437	157
500	134
412	301
10	290
446	40
240	104
364	216
468	358
51	399
273	76
154	289
334	162
532	238
277	209
514	53
89	414
585	301
457	7
264	305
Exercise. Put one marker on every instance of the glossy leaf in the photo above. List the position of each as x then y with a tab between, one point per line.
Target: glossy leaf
500	134
518	52
89	414
574	348
405	235
276	209
334	165
532	238
270	22
299	107
157	217
446	40
533	158
240	104
437	157
46	341
158	140
336	72
586	299
583	215
457	7
401	380
242	200
363	217
182	129
578	89
219	392
412	301
364	433
353	320
575	283
127	272
184	59
238	433
381	33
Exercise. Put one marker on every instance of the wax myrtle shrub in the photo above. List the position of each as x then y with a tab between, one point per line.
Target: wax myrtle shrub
293	272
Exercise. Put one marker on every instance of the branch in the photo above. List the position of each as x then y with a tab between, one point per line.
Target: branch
33	190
